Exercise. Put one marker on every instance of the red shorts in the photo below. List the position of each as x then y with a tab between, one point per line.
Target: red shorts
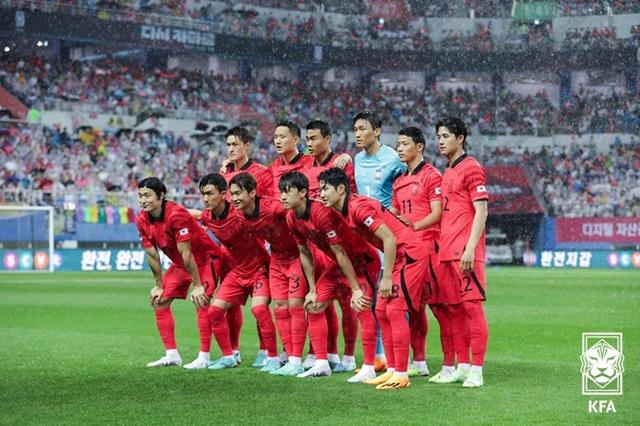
468	286
176	281
287	280
236	289
408	278
332	283
431	280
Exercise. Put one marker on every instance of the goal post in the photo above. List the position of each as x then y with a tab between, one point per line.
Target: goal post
27	238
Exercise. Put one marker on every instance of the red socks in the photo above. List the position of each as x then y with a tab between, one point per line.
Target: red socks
445	321
166	327
460	330
401	338
298	331
349	324
204	328
318	334
234	321
283	325
220	329
333	328
419	325
267	328
387	337
478	330
368	335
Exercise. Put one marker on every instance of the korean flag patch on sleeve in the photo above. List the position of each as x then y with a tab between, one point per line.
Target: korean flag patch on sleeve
438	191
368	221
331	234
481	188
184	231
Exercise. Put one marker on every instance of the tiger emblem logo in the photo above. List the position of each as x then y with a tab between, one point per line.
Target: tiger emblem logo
602	363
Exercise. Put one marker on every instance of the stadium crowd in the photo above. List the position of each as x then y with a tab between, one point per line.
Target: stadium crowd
119	89
39	161
580	182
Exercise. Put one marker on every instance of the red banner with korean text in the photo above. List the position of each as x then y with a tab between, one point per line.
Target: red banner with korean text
598	230
510	191
390	10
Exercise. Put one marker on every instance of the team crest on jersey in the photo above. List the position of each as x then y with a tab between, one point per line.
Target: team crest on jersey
378	174
482	188
415	188
184	231
331	234
368	221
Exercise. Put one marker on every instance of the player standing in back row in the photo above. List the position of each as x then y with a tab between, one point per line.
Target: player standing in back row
377	167
462	251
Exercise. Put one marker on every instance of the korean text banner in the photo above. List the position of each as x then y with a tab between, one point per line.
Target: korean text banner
598	230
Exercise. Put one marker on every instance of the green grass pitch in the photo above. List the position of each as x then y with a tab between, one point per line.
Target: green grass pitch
73	349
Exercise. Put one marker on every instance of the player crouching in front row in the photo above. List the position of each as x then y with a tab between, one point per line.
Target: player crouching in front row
401	285
348	261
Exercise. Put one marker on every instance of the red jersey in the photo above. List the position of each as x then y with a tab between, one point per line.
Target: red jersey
246	253
300	162
413	194
365	215
176	225
462	184
323	227
264	180
269	222
314	171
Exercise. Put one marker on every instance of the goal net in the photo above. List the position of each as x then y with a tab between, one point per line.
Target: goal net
26	238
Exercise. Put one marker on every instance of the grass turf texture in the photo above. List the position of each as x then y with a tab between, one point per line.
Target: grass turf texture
74	347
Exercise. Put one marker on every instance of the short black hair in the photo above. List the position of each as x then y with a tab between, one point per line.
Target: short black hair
335	177
241	133
455	125
154	184
323	126
369	116
415	134
293	180
291	125
215	179
245	181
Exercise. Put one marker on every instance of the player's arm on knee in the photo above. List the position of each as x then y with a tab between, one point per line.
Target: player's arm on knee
153	259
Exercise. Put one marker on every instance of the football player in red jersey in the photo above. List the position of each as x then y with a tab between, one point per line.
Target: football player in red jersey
416	199
167	227
265	218
402	281
239	140
318	138
462	250
350	261
248	274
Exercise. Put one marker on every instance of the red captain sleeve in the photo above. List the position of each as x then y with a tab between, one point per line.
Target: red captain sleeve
476	182
433	184
364	212
181	225
330	223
